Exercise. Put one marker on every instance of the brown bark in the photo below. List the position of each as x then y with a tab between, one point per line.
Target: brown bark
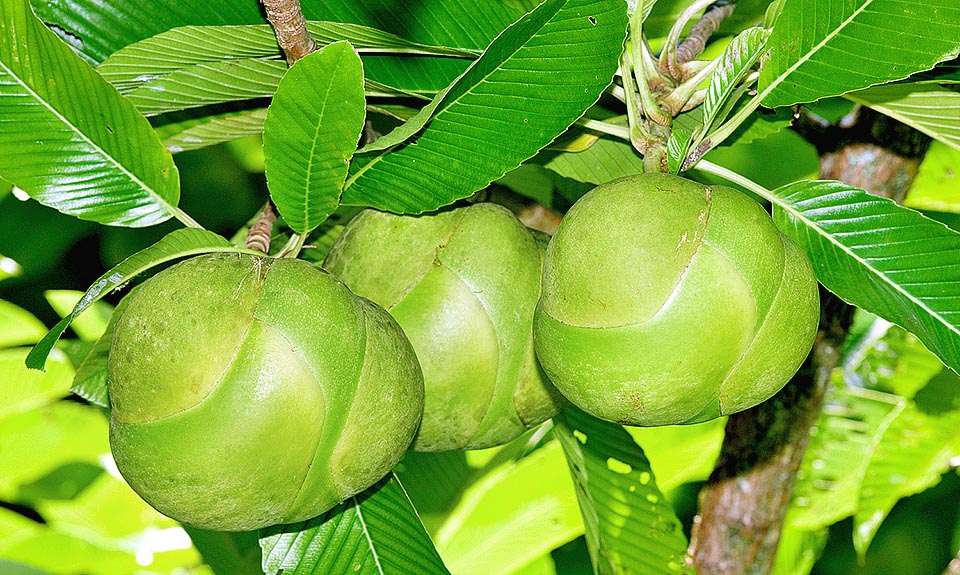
258	237
743	505
290	28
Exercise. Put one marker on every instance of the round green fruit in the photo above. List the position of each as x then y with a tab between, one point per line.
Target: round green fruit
666	301
249	391
463	284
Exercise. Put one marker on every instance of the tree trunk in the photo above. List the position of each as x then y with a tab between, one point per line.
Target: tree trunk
743	505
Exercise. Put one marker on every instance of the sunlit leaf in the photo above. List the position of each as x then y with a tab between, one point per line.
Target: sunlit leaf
210	130
737	60
59	112
930	109
917	449
18	326
68	432
884	258
311	132
22	389
374	533
680	454
820	49
630	526
229	553
175	245
937	185
502	92
181	48
513	515
90	380
849	429
605	160
90	324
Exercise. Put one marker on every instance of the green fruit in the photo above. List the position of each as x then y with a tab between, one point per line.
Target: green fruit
666	301
463	284
250	391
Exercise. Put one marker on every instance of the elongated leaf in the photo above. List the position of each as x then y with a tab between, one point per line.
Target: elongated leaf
208	83
210	130
630	526
510	517
848	430
916	450
311	132
89	325
59	112
935	187
605	160
680	454
820	49
737	60
884	258
228	553
181	48
90	380
374	533
933	110
18	326
494	117
175	245
23	389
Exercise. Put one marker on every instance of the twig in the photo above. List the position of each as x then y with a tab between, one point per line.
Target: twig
693	45
290	28
258	238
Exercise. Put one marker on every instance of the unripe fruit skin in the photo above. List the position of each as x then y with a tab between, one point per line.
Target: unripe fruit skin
247	392
666	301
463	284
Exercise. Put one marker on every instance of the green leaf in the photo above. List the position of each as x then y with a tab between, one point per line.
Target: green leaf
820	49
888	358
311	132
847	432
680	454
737	60
209	130
68	433
175	245
182	48
564	52
209	83
630	526
511	516
677	147
98	29
799	550
59	112
90	381
18	326
228	553
376	533
90	324
23	389
607	159
881	257
916	450
930	109
937	185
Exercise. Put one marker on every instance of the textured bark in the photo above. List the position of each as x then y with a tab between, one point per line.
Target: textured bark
258	237
290	28
743	505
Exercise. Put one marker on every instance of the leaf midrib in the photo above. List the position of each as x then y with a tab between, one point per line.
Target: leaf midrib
169	209
816	48
812	224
